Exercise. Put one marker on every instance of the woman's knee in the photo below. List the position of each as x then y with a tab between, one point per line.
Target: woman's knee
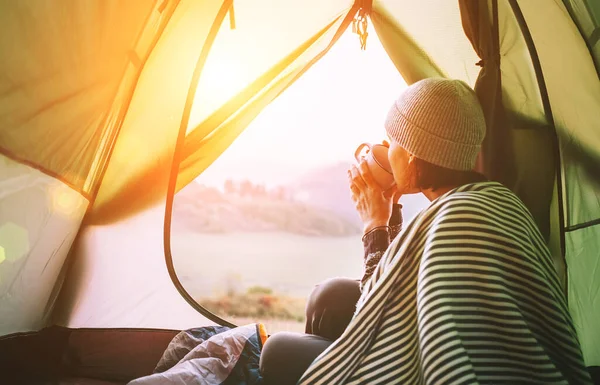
330	307
285	356
341	292
336	286
270	356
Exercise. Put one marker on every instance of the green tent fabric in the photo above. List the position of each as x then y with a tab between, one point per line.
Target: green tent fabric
267	73
586	14
79	85
108	107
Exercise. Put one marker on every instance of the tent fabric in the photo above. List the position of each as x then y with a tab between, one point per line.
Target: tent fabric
137	174
530	137
584	270
399	25
136	177
39	218
574	98
56	103
118	279
574	94
586	13
412	62
480	22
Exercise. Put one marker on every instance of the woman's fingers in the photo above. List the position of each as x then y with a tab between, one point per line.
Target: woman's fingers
366	175
355	192
357	178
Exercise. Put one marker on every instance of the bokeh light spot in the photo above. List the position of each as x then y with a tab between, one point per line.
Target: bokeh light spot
14	241
62	200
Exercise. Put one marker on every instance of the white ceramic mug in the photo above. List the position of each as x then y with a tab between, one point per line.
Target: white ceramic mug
378	163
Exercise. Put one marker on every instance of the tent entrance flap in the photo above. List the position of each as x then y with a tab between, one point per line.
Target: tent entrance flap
210	140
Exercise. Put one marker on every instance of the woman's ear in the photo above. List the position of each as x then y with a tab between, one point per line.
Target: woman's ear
411	158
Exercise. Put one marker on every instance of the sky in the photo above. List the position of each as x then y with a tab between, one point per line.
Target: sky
339	103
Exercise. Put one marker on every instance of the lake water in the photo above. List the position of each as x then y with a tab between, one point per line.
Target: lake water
287	263
209	265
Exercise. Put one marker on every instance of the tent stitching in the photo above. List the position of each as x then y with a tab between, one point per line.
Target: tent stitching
125	106
46	171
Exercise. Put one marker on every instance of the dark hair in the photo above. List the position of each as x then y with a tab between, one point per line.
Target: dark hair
430	176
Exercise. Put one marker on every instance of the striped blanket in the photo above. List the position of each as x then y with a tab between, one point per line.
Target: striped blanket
466	294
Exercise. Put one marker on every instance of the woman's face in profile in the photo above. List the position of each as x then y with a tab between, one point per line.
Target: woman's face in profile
401	162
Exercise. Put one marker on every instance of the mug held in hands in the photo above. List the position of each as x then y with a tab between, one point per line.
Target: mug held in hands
376	157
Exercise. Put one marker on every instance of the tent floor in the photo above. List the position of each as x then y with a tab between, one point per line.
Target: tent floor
63	356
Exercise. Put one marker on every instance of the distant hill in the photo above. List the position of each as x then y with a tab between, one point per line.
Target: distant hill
319	204
327	188
209	210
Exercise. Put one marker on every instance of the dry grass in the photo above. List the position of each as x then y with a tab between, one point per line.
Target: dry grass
256	303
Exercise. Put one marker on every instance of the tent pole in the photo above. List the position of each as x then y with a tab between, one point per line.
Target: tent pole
550	119
212	35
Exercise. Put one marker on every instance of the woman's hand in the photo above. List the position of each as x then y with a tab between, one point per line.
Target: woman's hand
372	203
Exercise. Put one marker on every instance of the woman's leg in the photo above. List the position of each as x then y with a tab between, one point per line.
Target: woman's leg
331	306
286	356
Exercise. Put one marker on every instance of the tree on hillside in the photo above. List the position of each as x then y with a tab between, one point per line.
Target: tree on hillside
280	193
260	191
230	187
210	194
246	188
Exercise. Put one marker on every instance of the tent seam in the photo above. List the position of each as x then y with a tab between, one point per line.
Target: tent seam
125	107
583	225
55	175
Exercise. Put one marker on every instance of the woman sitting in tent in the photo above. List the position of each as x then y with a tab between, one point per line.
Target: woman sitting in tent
466	293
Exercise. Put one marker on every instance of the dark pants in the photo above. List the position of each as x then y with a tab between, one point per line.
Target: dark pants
286	356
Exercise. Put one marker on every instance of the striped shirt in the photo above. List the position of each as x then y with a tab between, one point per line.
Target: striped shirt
466	294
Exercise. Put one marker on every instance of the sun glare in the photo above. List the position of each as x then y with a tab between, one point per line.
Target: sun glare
222	78
319	120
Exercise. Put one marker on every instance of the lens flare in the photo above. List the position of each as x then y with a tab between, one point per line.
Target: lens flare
14	241
63	200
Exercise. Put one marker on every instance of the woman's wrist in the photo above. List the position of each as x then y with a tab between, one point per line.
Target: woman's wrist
374	225
377	239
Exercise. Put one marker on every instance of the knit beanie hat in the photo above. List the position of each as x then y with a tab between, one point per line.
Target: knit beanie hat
439	121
